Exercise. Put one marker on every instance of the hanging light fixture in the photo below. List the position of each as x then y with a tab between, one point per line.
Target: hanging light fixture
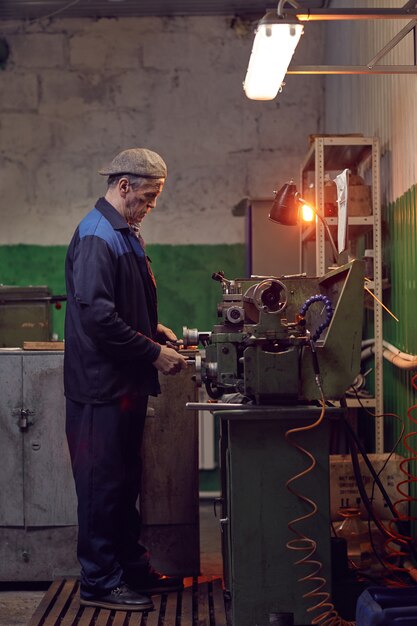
278	33
276	39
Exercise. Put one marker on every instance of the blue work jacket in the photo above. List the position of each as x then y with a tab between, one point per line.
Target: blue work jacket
111	314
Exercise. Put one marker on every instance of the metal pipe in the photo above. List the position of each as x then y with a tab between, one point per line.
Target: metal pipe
352	14
352	69
216	406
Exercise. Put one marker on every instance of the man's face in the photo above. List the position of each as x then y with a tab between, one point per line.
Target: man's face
140	199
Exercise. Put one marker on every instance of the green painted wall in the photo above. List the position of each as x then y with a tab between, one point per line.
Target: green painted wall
187	294
400	256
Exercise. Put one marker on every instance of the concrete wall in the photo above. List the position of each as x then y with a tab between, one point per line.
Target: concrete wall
75	92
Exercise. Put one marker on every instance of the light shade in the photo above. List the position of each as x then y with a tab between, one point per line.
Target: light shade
286	205
272	51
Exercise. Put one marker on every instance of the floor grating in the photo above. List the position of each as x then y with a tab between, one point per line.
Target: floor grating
200	604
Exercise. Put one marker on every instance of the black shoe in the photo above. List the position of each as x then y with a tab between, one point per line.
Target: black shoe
154	582
122	598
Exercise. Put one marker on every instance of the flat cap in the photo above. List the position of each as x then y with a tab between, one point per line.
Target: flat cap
138	162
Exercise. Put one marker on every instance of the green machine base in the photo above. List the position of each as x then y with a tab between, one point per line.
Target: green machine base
256	462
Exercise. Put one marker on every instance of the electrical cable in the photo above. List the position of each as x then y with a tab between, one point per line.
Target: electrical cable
320	597
394	448
398	520
60	10
396	531
356	441
387	532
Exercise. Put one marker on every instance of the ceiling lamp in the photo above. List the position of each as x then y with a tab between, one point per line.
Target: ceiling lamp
276	39
279	32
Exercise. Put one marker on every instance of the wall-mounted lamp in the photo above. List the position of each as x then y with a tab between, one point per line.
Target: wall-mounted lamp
276	39
279	32
286	209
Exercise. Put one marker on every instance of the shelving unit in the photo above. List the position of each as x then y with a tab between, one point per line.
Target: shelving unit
330	155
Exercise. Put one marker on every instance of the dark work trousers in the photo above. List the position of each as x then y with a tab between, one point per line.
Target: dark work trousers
104	442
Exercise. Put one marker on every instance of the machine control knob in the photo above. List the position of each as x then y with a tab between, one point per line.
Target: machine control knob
234	314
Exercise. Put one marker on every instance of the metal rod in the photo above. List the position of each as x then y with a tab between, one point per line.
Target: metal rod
352	69
391	44
380	303
411	4
50	299
415	46
312	15
216	406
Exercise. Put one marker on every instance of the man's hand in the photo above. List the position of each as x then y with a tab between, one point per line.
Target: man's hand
169	361
166	332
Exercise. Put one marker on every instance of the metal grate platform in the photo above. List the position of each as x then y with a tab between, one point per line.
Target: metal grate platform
200	604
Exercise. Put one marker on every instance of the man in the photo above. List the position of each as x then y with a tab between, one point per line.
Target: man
112	358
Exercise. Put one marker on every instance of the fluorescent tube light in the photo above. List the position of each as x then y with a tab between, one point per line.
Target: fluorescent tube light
273	48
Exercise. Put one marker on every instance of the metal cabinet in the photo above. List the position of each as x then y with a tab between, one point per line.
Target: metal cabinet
332	154
38	509
37	496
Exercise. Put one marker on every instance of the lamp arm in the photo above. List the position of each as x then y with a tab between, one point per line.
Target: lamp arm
326	226
281	4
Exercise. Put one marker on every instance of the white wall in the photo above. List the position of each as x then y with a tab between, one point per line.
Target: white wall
75	92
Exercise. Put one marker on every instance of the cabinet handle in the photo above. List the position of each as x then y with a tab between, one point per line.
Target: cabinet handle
23	421
216	501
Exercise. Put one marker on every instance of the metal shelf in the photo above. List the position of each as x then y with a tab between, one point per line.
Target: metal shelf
330	155
339	151
353	403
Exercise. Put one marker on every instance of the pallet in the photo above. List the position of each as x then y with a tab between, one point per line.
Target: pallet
200	604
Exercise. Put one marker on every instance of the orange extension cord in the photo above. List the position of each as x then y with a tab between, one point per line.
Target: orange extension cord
319	596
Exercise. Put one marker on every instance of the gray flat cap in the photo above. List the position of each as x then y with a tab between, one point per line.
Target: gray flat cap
136	161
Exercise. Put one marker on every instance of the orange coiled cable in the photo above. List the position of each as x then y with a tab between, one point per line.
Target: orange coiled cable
319	596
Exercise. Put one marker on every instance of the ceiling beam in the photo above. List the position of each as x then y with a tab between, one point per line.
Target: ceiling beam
352	69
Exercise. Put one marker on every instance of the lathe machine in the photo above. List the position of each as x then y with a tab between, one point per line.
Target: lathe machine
282	347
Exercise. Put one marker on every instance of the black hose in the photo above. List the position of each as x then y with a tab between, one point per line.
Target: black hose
354	445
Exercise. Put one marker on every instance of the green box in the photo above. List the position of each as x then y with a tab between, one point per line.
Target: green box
25	315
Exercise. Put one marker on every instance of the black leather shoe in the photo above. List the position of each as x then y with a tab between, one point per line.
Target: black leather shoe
154	582
122	598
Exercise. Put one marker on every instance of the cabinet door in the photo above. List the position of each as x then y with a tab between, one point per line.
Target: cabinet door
49	488
274	249
169	494
11	491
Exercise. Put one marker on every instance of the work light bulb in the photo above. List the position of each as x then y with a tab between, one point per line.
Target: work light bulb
272	52
307	213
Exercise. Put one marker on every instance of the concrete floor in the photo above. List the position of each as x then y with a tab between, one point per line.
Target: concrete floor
18	605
